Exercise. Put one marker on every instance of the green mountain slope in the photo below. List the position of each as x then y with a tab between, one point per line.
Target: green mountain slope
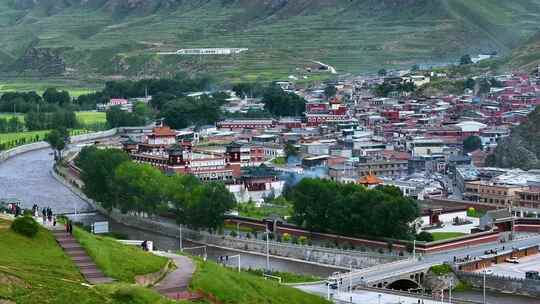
122	37
526	57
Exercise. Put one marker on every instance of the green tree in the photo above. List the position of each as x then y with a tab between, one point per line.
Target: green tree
208	207
138	188
58	139
281	103
424	237
98	169
330	91
465	60
472	143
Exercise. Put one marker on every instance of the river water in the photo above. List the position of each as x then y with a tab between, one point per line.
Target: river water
27	178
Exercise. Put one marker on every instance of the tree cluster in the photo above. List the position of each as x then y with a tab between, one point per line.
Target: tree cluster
384	89
59	118
141	115
349	209
110	178
281	103
177	86
187	111
13	124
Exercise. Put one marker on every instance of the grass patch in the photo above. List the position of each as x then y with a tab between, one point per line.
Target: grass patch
37	271
14	139
439	236
250	210
286	277
230	286
463	286
91	117
279	161
116	260
441	269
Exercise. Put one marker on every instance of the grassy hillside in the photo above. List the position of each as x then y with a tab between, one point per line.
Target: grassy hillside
121	37
110	256
526	57
232	287
37	271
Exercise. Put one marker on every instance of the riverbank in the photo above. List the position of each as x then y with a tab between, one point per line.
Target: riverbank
168	228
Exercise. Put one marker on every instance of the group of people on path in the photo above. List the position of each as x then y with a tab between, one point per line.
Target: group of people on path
15	209
46	213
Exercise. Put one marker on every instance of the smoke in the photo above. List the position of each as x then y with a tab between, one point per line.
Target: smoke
293	178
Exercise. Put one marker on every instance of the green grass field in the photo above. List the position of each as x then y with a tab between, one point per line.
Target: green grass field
91	117
229	286
74	87
439	236
36	271
111	257
11	140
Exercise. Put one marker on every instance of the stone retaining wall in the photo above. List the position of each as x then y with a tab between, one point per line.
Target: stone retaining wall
524	287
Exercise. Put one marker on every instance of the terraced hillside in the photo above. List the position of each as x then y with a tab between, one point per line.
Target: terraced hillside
82	38
526	57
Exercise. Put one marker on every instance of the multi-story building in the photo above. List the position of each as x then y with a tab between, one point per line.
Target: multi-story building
491	193
384	168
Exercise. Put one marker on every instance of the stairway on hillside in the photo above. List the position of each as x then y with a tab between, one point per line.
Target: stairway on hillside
86	265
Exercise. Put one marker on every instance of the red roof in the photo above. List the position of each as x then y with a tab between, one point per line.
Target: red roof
163	131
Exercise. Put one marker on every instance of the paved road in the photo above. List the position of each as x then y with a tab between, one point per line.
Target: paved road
380	272
27	177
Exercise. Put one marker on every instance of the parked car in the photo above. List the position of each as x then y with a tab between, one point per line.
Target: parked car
512	260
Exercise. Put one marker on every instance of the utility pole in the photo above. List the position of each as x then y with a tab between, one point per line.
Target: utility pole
267	249
484	289
350	277
180	234
450	292
414	250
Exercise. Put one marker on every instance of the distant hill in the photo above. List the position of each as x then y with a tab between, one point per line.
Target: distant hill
522	148
526	57
121	37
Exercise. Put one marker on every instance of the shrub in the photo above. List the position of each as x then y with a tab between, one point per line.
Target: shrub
441	269
233	233
424	237
286	237
302	240
26	226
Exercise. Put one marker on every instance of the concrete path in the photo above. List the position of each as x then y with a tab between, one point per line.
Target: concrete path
175	284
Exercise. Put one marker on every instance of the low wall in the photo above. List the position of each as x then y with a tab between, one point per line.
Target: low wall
524	287
4	155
